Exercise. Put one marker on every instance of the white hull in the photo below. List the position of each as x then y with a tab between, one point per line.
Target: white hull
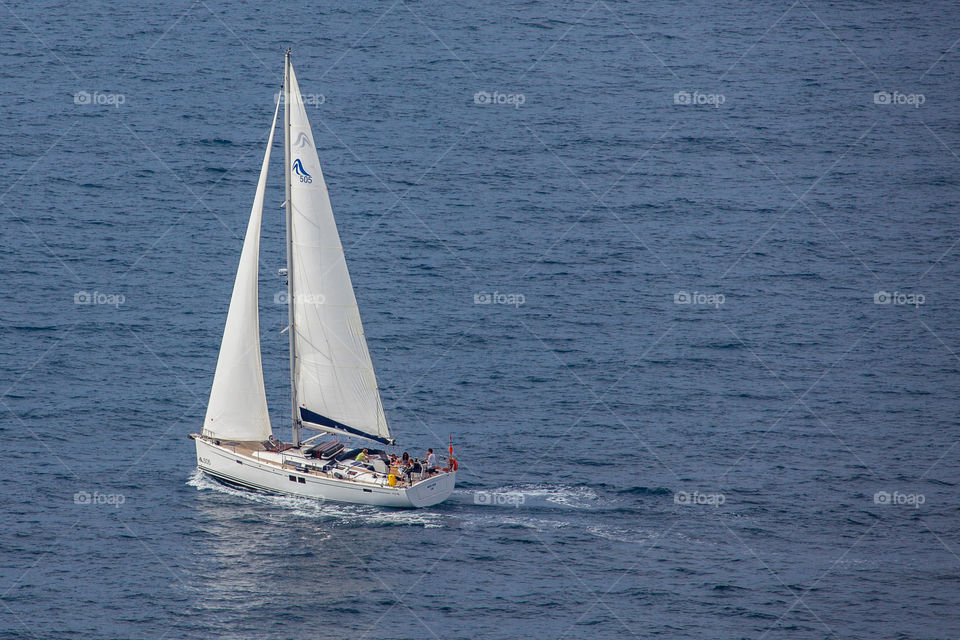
228	465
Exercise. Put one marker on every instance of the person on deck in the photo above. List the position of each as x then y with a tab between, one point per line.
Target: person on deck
415	468
405	466
431	462
362	456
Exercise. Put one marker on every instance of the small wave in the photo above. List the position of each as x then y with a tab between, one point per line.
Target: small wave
620	534
537	524
727	587
339	512
645	491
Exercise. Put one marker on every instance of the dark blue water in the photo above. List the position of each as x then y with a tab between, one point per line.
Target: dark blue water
775	459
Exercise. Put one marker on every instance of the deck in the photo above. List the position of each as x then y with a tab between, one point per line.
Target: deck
294	461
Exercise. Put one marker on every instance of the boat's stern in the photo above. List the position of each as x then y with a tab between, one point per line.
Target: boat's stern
433	490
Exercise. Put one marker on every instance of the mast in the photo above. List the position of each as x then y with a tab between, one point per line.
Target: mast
290	292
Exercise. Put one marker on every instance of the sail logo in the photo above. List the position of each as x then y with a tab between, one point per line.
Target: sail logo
302	140
300	171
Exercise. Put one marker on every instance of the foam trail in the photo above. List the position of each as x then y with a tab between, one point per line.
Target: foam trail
538	495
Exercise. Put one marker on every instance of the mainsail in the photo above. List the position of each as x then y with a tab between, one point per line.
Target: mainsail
238	400
334	384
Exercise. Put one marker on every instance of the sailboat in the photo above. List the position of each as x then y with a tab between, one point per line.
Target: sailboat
333	387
